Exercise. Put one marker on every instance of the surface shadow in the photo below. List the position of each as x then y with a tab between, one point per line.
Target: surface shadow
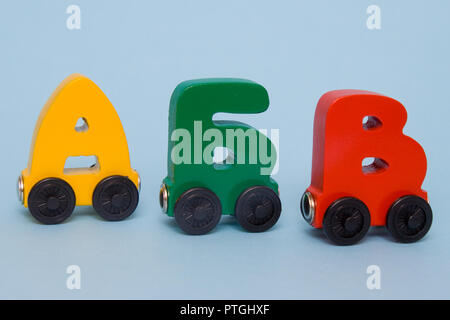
78	212
28	216
316	234
171	224
379	232
225	222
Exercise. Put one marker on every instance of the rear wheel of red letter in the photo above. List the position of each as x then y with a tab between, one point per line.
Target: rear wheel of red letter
409	219
346	221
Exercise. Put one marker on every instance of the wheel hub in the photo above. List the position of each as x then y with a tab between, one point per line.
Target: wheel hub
200	213
20	188
352	223
416	219
262	211
163	198
53	203
117	200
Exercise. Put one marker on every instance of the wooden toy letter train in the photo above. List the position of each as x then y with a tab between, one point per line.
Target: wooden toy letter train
347	196
50	190
365	171
197	194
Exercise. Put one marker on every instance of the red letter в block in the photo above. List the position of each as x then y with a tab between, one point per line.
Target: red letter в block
349	127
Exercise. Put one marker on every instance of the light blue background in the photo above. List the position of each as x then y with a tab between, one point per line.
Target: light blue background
137	52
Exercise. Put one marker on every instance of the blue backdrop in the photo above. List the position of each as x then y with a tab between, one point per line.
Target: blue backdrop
137	52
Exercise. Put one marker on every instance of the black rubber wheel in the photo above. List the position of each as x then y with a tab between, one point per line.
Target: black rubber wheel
409	219
51	201
258	209
115	198
346	221
197	211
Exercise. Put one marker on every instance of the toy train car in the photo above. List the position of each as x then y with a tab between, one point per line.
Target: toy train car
365	171
50	190
196	192
348	195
